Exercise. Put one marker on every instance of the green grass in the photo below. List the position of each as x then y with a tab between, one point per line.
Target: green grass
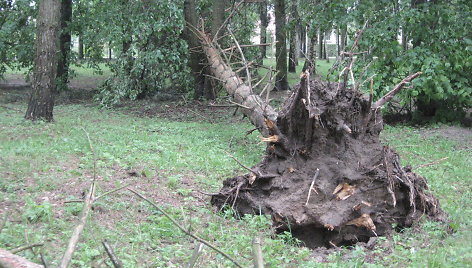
42	165
78	72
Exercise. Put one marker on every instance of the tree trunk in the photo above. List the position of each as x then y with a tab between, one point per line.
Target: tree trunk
281	82
251	104
320	44
81	48
263	28
64	45
10	260
325	52
196	58
41	102
310	61
303	41
293	60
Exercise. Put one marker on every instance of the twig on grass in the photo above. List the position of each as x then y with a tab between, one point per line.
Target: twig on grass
25	247
43	260
432	163
4	221
184	230
109	250
196	254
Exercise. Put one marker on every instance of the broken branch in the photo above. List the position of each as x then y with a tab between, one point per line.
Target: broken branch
185	231
394	91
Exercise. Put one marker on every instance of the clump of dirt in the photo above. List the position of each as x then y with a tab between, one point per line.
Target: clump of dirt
326	177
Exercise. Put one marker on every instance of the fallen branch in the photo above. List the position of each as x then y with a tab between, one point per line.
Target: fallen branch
74	240
196	253
394	91
25	247
79	228
257	251
185	231
432	163
109	250
4	221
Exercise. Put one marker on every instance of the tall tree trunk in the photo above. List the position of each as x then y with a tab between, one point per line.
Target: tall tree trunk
325	52
320	44
310	61
343	41
303	41
263	28
41	102
64	45
196	58
281	82
293	59
81	47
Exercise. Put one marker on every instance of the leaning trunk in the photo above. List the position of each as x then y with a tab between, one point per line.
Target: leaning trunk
41	102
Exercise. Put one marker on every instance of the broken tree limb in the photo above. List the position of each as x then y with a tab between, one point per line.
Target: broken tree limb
111	254
394	91
10	260
257	251
196	254
25	247
74	240
185	231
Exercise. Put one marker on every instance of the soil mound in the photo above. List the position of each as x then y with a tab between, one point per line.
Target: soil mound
326	177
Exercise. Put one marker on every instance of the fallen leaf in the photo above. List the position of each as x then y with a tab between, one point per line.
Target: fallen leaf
363	221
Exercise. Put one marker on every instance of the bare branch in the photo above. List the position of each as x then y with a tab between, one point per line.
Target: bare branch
394	91
185	231
114	260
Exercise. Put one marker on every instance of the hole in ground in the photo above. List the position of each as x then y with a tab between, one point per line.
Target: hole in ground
315	237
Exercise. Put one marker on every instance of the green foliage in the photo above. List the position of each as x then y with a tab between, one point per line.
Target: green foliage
17	31
34	212
152	54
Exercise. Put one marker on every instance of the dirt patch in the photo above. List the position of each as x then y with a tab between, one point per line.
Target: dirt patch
461	135
326	177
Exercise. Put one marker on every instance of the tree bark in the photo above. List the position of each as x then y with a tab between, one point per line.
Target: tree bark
9	260
320	44
310	61
281	82
196	58
64	45
41	102
293	59
263	28
251	104
81	47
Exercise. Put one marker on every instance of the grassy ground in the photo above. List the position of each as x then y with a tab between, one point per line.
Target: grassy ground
172	162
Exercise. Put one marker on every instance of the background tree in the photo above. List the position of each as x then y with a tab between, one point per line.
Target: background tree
41	102
281	82
64	45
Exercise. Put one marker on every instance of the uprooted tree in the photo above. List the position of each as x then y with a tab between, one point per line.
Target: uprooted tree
325	176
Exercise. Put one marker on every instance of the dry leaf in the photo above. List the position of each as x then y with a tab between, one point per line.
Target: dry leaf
363	221
291	169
